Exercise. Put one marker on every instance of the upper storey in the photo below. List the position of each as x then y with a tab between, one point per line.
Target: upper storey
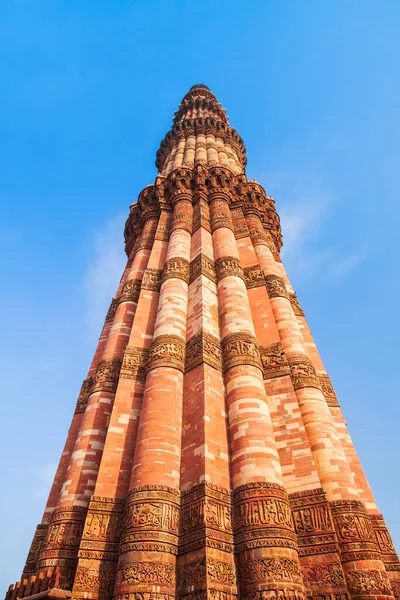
201	135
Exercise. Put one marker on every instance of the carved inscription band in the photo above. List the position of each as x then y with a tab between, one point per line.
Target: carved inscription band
228	266
240	349
134	363
203	348
276	287
202	265
177	268
167	351
302	372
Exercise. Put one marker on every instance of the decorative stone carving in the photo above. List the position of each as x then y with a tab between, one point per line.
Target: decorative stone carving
38	540
276	287
106	378
228	266
92	580
102	529
149	572
302	372
176	268
151	520
240	228
63	538
201	214
270	569
203	348
321	575
131	291
262	517
313	523
112	310
328	391
182	217
202	265
152	280
368	582
254	277
354	531
240	349
274	361
206	519
167	351
84	394
295	305
205	569
134	363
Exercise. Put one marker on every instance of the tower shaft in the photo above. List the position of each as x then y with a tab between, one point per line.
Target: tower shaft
208	456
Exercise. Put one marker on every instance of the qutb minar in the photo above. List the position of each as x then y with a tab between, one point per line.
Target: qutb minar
208	456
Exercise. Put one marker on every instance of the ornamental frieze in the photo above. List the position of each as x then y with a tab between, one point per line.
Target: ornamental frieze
267	569
368	582
240	228
146	572
220	215
201	215
240	348
94	580
167	351
152	280
328	390
298	311
276	287
202	265
182	219
228	266
152	507
313	523
330	574
302	372
353	528
205	570
382	535
203	348
274	361
38	540
176	268
130	291
107	374
86	390
112	310
134	363
253	277
259	504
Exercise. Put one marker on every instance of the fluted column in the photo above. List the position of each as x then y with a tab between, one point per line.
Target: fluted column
150	528
381	533
98	553
263	527
364	570
65	530
205	564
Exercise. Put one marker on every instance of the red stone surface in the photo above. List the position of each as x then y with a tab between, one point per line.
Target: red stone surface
208	456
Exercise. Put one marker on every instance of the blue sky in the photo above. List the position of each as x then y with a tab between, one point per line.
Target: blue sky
88	90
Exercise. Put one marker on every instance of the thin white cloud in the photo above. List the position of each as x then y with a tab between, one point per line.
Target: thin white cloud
104	271
46	475
305	209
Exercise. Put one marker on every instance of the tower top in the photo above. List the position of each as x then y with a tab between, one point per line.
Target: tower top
202	122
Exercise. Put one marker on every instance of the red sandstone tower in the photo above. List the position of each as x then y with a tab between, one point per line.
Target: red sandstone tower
208	456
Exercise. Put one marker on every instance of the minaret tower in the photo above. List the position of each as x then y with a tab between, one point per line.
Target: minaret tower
208	456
